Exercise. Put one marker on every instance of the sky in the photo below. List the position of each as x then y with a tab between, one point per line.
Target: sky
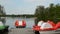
24	6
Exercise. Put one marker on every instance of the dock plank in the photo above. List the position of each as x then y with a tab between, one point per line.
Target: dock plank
30	31
21	31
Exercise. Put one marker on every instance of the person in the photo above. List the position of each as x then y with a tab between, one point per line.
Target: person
36	22
37	32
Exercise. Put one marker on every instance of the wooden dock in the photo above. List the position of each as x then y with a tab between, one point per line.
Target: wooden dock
21	31
30	31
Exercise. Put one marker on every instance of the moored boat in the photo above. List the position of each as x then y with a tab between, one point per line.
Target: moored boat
20	24
48	26
3	28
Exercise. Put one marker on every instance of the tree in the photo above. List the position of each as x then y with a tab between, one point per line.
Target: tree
49	13
2	10
54	12
1	14
39	13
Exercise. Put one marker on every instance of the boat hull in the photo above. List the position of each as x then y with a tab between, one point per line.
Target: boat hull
20	26
4	30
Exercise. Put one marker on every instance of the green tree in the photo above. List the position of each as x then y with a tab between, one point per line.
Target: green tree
49	13
39	13
2	12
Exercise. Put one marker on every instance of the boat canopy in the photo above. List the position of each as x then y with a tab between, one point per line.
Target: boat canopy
46	25
20	22
1	24
40	23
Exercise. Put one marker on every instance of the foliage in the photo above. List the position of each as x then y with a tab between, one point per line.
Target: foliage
2	12
49	13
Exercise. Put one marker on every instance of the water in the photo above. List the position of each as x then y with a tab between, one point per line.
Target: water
11	21
29	22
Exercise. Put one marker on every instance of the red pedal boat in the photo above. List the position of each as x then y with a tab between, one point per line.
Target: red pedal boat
20	24
46	26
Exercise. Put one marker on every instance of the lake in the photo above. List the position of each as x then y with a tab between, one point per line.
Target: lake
11	21
29	22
